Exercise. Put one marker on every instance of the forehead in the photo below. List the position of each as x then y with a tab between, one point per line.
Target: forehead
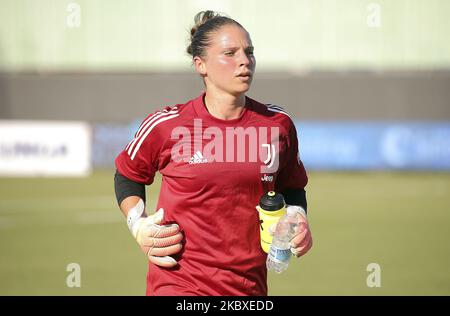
230	35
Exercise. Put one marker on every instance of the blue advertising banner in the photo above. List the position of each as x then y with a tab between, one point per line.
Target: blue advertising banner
374	145
108	141
331	145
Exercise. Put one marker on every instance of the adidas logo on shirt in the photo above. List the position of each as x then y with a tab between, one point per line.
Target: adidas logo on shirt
197	158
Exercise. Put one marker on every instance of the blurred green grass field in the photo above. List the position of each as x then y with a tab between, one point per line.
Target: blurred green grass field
397	220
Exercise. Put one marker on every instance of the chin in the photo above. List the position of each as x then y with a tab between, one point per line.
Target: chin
243	88
238	89
237	93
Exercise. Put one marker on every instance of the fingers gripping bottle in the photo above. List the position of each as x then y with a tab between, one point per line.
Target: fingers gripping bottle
271	208
280	249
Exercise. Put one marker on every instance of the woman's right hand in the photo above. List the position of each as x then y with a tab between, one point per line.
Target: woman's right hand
158	242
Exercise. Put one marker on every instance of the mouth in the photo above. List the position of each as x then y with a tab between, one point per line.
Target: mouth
245	76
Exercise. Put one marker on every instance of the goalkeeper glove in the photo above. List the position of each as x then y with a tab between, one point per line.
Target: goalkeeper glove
158	242
302	240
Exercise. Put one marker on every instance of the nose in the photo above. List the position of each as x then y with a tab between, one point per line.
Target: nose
244	60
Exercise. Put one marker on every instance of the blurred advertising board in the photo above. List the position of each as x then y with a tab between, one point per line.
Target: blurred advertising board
45	148
375	145
342	145
109	139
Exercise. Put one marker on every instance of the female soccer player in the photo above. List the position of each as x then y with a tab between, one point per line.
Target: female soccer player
217	154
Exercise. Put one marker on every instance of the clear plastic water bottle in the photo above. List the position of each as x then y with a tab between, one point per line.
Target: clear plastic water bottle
280	249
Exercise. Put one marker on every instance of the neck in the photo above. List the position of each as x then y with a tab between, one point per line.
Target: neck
224	106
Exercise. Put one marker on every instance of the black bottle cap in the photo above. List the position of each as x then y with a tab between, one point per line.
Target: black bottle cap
271	201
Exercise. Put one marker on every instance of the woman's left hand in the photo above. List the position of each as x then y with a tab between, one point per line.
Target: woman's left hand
302	242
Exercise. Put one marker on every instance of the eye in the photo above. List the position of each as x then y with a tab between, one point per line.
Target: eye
249	51
229	53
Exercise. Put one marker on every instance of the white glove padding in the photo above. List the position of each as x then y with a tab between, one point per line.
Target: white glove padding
302	240
299	209
158	241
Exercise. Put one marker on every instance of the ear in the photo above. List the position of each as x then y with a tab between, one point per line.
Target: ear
200	66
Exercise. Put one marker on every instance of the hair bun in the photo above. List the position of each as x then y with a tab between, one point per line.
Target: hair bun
200	32
201	18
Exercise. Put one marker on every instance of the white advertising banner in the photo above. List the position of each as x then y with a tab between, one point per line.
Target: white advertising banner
45	148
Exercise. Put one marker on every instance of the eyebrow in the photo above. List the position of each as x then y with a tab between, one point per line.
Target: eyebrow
235	48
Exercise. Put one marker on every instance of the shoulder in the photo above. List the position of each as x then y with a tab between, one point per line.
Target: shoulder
273	113
282	114
166	117
157	127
